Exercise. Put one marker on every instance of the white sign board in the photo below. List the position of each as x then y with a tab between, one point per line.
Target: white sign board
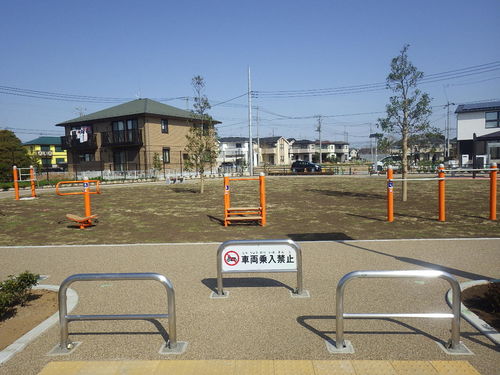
259	258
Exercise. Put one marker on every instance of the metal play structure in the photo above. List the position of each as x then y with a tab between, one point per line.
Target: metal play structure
441	178
86	220
232	214
18	174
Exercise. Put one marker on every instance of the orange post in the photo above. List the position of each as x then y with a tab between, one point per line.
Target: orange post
16	183
32	181
262	188
441	188
227	199
493	191
86	197
390	195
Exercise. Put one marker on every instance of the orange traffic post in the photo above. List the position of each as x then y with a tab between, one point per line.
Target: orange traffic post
16	183
32	181
441	188
227	199
390	195
262	189
493	191
86	196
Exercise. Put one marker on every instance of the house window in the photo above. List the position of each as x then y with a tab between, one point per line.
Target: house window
60	161
492	119
57	148
46	162
238	145
45	148
164	126
86	157
166	155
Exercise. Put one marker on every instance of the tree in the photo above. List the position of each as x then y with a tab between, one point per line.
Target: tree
408	110
202	146
12	153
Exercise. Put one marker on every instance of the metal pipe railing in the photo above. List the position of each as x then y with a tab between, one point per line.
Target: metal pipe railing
453	343
64	318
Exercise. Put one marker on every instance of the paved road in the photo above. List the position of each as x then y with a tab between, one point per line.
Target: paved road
259	320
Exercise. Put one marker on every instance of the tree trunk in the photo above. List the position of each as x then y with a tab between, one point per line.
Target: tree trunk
404	164
202	183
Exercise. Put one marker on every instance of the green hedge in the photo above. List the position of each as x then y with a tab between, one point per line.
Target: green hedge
16	290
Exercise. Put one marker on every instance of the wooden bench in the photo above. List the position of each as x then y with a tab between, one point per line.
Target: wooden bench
83	222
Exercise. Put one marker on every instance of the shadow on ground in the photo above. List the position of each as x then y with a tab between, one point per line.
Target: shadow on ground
249	282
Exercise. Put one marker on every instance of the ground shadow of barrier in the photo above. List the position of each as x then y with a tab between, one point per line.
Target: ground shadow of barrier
333	236
422	263
248	282
216	219
327	335
367	217
337	193
161	331
185	190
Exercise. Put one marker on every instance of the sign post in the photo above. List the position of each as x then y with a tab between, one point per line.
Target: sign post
251	256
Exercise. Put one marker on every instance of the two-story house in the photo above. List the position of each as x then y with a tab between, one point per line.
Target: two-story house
129	136
275	150
235	150
478	131
49	151
301	149
341	151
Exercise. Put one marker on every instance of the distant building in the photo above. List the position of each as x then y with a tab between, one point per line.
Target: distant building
49	151
129	136
301	149
274	151
481	120
235	150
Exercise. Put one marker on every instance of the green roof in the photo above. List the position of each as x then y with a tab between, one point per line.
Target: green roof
135	107
44	141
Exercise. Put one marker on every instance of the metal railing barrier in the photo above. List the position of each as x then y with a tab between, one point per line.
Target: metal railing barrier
249	256
65	344
453	346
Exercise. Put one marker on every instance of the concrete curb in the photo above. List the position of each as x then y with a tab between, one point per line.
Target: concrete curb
472	318
24	340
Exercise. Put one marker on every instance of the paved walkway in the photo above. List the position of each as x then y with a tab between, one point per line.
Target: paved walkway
269	367
259	320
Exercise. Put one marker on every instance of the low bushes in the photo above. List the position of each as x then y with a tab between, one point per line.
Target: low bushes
16	290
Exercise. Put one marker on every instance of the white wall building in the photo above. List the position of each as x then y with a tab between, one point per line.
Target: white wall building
235	150
483	121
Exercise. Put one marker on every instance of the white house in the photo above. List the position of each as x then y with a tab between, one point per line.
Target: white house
478	131
301	149
235	150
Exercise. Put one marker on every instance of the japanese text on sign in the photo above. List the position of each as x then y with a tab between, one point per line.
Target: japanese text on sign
259	258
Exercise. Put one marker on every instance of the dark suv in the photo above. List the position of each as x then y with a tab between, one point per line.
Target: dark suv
305	166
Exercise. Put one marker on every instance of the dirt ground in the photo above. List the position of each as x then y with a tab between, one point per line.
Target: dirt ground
301	208
40	306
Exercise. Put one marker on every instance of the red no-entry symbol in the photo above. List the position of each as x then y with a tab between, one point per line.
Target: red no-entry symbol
231	258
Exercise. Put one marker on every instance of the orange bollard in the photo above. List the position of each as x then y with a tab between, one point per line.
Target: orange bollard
32	181
441	188
86	196
16	183
227	199
390	195
262	188
493	191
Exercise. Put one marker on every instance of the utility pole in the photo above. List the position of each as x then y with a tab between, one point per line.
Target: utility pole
318	129
447	130
258	139
250	144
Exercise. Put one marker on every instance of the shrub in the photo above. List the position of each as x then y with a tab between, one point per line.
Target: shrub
16	290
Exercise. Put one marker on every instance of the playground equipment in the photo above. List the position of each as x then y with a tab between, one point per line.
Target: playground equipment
493	171
454	346
18	177
245	213
85	221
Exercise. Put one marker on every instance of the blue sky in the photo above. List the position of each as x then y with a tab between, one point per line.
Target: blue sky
128	49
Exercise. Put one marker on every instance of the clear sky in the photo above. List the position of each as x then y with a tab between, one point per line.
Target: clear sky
151	49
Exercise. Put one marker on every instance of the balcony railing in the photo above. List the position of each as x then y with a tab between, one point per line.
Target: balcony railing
122	138
69	142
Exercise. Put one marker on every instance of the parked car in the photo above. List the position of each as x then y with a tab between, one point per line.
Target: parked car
305	166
